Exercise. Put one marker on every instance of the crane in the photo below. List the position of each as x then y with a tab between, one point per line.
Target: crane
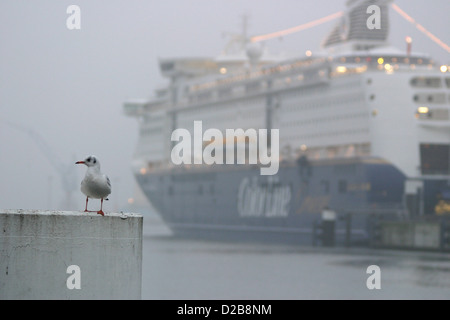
65	171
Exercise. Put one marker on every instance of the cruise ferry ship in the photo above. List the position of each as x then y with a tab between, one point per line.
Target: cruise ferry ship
363	130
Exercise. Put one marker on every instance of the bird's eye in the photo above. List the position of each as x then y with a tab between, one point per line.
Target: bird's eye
88	159
95	160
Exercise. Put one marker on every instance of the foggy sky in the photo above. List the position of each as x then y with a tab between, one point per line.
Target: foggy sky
69	85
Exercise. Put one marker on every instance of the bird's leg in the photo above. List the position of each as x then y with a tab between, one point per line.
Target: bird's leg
86	210
101	208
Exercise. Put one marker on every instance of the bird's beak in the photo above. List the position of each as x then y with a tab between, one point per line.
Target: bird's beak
80	162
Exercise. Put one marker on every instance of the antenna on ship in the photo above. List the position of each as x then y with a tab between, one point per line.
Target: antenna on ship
241	43
238	41
245	18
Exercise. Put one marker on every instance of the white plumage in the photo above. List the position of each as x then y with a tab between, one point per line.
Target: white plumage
95	184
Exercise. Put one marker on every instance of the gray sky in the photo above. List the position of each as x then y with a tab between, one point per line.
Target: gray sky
70	85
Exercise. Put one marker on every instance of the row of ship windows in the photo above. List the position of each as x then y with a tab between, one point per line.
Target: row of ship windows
334	133
385	59
418	82
318	121
302	91
429	82
325	103
222	93
235	84
218	118
247	102
153	130
208	122
256	86
318	89
244	108
433	114
431	98
292	67
294	149
321	120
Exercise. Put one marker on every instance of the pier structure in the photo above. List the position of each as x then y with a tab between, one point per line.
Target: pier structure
70	255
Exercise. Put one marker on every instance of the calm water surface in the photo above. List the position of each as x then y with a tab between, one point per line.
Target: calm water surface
190	269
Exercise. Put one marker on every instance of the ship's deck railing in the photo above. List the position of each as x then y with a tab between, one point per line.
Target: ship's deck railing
248	86
282	76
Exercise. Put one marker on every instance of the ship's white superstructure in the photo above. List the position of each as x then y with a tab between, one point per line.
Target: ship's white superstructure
358	97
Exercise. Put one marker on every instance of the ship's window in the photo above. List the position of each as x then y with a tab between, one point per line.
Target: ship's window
372	97
429	98
422	82
434	114
440	114
434	158
369	81
447	81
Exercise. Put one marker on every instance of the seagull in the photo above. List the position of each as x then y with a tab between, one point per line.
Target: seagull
95	184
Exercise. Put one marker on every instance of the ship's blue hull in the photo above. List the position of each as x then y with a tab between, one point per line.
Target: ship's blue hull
236	202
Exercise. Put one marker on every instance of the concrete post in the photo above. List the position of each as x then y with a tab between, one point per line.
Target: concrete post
70	255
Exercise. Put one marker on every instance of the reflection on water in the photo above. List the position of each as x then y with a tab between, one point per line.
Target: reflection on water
192	269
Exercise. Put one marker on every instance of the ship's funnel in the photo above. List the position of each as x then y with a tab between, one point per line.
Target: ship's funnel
353	31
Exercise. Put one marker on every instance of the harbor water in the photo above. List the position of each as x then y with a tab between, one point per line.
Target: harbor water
187	269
